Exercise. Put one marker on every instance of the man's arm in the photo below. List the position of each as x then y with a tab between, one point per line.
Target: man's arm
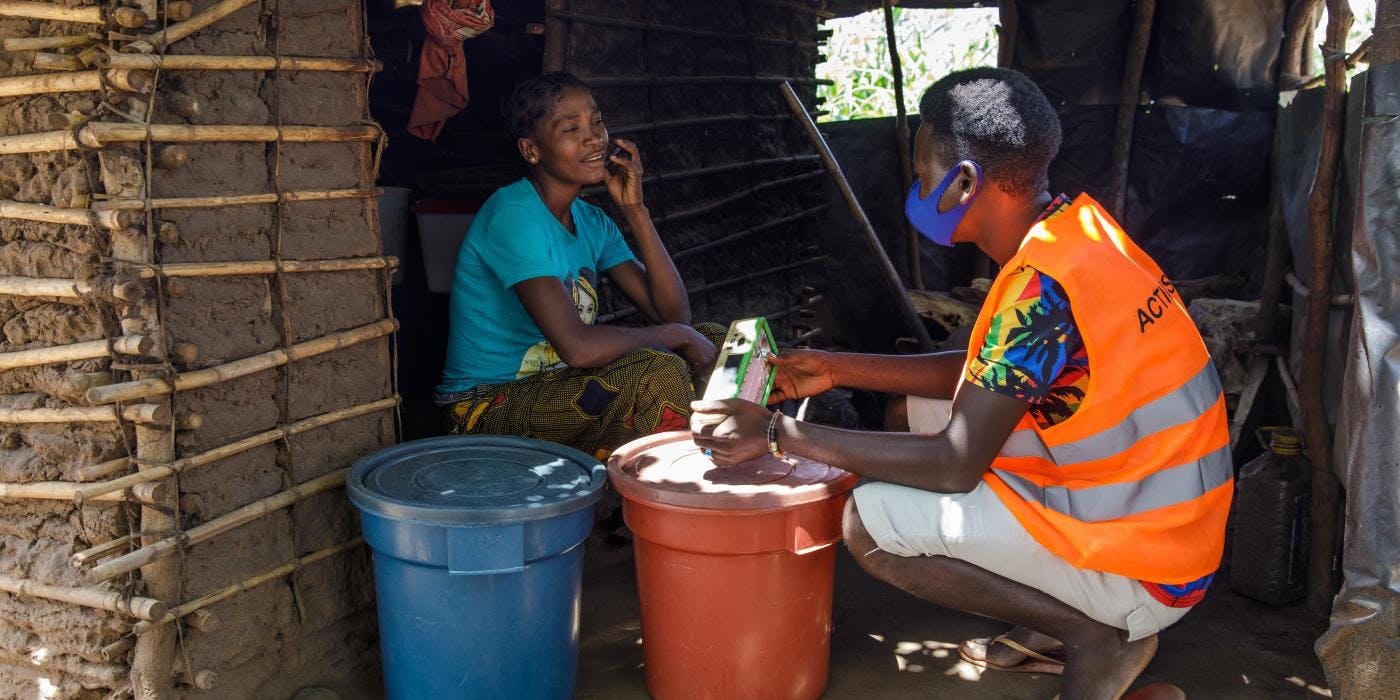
934	376
950	461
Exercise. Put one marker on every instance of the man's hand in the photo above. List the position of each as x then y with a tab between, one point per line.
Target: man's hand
734	430
800	373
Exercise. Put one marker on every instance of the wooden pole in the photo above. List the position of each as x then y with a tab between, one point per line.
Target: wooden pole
224	523
250	583
52	11
556	35
108	468
1128	104
109	219
44	287
82	492
102	134
57	61
143	388
135	606
1325	489
135	61
44	83
176	32
90	350
915	270
42	43
265	267
123	204
1301	18
882	261
59	491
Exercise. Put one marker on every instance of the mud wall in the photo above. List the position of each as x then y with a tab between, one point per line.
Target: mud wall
316	626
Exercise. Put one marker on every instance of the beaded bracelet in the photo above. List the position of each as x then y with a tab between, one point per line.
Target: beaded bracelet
773	436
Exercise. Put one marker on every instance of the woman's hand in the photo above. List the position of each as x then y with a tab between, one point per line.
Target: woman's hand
625	185
695	348
733	430
799	374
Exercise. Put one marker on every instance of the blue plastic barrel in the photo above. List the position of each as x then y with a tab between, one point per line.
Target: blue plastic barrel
478	559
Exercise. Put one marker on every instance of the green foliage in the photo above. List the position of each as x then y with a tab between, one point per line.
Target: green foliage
932	43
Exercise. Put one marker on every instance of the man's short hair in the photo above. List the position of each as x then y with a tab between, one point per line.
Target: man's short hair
1000	119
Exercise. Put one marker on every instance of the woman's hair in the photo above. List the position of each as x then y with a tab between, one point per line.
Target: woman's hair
534	98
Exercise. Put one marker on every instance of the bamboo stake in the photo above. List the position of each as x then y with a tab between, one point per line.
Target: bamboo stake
742	194
101	134
118	649
87	491
1128	104
57	61
52	491
237	63
1325	488
220	525
127	204
42	142
40	43
90	350
139	413
109	219
179	10
80	382
24	85
97	471
51	11
129	17
103	550
44	287
143	388
265	267
250	583
176	32
901	143
142	608
872	241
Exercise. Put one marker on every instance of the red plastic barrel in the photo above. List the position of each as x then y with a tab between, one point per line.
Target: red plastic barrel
734	568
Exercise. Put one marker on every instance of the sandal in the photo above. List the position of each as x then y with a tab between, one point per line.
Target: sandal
974	651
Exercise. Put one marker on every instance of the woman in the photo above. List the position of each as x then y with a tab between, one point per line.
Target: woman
524	356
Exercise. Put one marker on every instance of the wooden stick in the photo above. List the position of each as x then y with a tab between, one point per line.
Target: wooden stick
250	583
742	194
901	143
101	551
109	219
97	471
54	491
57	61
155	472
143	388
148	413
185	353
556	36
137	413
1128	104
234	200
179	10
118	649
90	350
176	32
1325	488
202	620
44	287
138	607
101	134
51	11
80	382
40	43
238	63
171	156
129	17
872	241
265	267
43	83
222	524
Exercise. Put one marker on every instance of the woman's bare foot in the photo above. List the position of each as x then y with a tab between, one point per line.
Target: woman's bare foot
1104	668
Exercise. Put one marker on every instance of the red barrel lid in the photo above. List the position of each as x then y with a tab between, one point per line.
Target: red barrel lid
668	468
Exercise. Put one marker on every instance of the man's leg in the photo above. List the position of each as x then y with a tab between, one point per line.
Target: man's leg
1100	663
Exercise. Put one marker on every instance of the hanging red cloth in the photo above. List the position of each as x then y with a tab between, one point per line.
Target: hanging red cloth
442	67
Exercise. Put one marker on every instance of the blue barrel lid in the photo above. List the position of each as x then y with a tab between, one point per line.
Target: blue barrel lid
470	479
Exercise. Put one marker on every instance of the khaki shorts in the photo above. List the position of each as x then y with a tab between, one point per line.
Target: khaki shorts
976	527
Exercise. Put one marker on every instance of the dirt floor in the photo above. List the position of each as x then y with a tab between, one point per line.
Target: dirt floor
888	644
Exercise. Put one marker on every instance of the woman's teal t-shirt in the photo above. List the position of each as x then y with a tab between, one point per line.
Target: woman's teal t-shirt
491	338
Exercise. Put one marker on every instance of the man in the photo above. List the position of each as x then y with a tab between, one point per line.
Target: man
1078	486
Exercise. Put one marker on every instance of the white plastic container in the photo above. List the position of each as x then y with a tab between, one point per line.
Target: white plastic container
442	226
393	225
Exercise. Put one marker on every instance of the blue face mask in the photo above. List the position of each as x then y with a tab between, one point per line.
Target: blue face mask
923	213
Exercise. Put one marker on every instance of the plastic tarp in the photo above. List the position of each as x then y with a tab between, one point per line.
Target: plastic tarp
1361	650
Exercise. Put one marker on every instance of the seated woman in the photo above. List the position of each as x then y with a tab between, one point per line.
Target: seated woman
524	356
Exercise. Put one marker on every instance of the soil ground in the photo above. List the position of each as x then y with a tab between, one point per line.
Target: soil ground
888	644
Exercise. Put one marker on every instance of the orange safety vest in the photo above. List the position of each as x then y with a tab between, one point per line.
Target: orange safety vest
1138	480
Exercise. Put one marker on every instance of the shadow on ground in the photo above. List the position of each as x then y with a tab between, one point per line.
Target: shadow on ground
890	645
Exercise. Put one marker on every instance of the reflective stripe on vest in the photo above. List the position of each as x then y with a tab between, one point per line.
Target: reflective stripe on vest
1159	489
1187	403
